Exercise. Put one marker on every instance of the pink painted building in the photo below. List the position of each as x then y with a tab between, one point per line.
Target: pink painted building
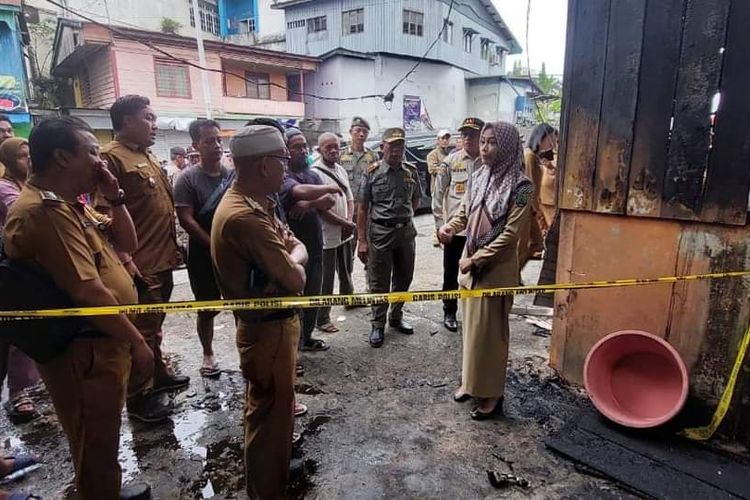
244	82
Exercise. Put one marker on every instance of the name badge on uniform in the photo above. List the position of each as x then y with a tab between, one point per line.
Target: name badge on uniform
460	187
141	165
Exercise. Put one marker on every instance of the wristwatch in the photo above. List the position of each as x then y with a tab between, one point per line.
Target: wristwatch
119	200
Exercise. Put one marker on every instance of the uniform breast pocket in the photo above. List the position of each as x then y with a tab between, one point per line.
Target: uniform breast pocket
381	191
139	182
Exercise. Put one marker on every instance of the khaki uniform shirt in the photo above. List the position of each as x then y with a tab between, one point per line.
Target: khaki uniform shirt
68	241
246	238
356	165
450	186
434	159
149	200
390	191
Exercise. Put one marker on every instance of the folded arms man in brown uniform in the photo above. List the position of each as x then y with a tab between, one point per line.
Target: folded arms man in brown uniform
255	255
48	227
150	203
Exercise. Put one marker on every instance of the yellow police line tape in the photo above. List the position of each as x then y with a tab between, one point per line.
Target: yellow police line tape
365	299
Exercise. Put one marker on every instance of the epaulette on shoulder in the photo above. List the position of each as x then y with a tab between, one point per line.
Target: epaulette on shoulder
50	197
524	192
373	167
371	154
410	165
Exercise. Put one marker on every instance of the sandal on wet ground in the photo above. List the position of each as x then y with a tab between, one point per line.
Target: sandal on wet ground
21	409
210	372
314	345
299	370
299	409
328	328
296	438
23	464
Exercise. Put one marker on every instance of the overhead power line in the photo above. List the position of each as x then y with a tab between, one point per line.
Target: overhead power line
387	98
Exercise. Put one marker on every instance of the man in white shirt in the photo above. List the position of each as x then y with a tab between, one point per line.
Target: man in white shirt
338	227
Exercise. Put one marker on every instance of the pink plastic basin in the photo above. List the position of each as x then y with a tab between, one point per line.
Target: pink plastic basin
636	379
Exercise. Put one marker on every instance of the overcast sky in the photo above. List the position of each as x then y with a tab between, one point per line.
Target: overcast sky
546	31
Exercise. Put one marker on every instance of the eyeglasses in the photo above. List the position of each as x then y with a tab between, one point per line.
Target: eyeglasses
284	160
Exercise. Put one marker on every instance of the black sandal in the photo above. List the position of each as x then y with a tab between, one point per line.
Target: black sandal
314	345
461	397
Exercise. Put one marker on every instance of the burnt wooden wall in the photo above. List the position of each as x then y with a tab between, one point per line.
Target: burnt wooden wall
637	137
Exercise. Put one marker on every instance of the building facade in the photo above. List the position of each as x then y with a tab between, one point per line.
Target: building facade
13	76
244	82
367	47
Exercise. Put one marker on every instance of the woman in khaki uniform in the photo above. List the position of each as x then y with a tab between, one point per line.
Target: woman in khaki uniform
495	210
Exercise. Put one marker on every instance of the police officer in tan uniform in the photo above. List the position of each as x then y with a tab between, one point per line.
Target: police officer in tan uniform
450	187
355	159
150	203
49	228
388	197
255	255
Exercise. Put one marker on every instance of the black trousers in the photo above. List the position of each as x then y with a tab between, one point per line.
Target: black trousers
451	256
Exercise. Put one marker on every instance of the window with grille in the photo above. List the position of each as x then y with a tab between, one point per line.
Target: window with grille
300	23
468	40
257	85
247	26
448	32
413	22
353	21
172	80
485	49
293	88
209	16
317	24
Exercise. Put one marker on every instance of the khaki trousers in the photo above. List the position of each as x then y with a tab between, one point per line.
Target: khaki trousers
268	354
87	385
154	289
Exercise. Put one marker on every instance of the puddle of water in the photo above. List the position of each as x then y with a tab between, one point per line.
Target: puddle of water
183	434
208	490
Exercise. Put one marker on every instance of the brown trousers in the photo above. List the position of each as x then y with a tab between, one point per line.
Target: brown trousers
87	385
268	353
530	242
155	288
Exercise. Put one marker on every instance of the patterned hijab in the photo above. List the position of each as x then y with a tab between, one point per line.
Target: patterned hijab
491	187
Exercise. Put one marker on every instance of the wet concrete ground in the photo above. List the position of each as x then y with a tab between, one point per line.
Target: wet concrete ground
382	422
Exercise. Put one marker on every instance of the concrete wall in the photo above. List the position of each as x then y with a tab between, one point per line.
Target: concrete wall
704	320
383	31
270	21
136	76
442	88
492	101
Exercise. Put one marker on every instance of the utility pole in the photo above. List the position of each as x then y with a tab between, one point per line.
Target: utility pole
202	60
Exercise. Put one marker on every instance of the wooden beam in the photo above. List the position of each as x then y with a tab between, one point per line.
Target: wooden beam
704	34
619	97
586	71
658	77
725	198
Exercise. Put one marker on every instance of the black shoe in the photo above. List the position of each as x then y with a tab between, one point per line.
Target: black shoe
402	327
450	322
460	397
171	383
149	409
135	491
377	336
477	414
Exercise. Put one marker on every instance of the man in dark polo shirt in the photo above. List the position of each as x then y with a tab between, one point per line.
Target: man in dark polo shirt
303	195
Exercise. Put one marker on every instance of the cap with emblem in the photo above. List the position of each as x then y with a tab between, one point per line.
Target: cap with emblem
256	140
358	121
471	123
443	132
394	134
